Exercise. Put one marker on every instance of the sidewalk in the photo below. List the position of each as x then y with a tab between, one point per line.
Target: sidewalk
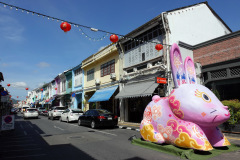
136	127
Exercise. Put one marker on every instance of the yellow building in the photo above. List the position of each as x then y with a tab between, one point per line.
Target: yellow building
101	79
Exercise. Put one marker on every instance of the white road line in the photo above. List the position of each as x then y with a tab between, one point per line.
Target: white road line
21	126
73	125
30	125
25	133
37	131
103	132
58	128
35	155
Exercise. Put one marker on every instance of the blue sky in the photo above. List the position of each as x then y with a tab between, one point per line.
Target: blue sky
35	50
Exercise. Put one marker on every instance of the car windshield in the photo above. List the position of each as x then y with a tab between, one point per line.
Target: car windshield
60	108
77	111
32	109
102	111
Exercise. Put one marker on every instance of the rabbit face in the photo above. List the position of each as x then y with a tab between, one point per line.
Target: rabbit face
196	103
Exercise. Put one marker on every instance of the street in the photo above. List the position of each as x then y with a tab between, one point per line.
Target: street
46	139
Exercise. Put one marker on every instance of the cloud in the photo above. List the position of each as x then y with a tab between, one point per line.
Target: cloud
43	65
4	64
10	28
101	48
19	85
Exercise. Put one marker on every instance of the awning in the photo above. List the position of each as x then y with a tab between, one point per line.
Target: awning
139	89
103	94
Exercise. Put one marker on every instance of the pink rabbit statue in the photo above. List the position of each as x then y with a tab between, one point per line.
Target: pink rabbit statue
190	116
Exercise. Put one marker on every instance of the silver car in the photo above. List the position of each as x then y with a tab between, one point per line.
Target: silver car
55	112
30	113
70	115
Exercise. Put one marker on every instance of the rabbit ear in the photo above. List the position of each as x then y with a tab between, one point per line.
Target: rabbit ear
178	72
190	71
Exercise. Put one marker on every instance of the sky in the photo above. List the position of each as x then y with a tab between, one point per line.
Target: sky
34	50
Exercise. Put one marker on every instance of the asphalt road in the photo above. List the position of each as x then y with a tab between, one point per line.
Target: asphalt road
43	139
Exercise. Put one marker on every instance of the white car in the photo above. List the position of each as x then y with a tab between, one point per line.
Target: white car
56	112
23	109
30	113
70	115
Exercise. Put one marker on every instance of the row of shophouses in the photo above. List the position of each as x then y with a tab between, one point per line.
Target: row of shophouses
121	77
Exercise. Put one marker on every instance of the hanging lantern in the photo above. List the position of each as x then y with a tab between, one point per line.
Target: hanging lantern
26	96
26	88
114	38
55	88
36	96
17	96
41	89
65	26
10	96
158	47
8	85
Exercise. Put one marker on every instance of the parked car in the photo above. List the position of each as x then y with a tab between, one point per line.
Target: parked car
14	111
98	118
40	110
70	115
44	112
30	113
55	112
24	108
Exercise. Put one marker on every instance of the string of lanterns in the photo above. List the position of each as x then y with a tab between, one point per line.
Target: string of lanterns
66	26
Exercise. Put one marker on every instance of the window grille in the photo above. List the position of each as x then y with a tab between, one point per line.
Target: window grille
235	71
219	74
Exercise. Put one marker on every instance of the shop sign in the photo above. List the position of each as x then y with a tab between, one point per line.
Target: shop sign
161	80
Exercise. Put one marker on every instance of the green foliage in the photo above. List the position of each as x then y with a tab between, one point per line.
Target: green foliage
216	94
234	109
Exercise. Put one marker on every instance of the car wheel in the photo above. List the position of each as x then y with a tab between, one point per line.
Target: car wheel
60	119
67	120
93	125
52	118
79	122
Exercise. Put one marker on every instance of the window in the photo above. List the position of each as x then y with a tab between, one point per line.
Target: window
64	85
108	68
90	75
143	56
78	77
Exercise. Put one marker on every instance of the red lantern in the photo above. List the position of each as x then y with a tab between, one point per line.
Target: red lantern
158	47
65	26
114	38
10	96
41	89
8	85
26	96
26	88
17	96
55	88
36	96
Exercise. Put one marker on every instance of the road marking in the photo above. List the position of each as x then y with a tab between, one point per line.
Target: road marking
35	155
30	125
74	125
58	128
25	133
37	131
103	132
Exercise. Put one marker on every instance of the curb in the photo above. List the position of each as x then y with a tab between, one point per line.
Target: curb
124	127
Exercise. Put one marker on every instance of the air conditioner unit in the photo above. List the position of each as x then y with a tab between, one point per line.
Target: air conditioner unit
113	76
97	81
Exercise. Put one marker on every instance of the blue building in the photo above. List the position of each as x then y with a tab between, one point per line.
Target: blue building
77	87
